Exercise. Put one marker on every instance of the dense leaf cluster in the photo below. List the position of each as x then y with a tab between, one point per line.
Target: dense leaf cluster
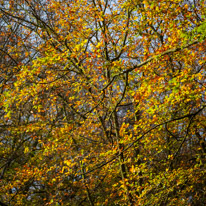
102	102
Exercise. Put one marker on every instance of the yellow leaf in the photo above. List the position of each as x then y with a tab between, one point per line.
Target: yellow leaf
26	150
132	169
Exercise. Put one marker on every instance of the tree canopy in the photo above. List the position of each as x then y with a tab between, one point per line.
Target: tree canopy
102	102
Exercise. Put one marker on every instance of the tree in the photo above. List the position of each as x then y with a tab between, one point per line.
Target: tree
102	102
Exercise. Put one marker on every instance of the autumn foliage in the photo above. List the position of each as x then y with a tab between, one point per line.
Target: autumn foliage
102	102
